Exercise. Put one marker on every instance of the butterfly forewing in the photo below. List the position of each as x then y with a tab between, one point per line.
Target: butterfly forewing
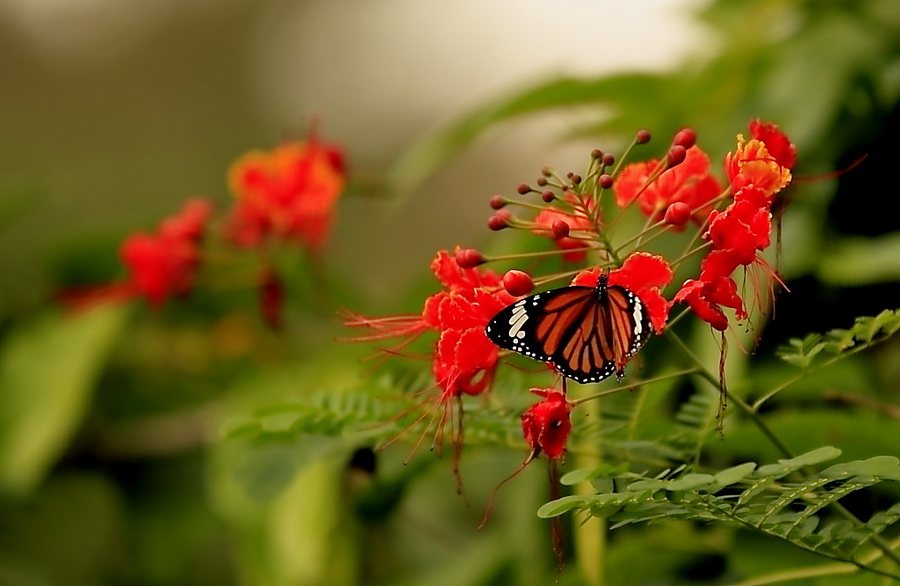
587	333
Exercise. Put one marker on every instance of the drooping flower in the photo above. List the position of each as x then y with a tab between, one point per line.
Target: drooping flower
689	183
288	193
163	265
546	424
712	290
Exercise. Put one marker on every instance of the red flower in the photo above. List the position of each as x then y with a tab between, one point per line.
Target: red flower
742	228
465	359
714	288
578	220
777	143
689	183
287	193
546	424
643	274
752	164
163	265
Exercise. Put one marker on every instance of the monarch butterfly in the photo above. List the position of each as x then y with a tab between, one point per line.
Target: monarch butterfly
586	333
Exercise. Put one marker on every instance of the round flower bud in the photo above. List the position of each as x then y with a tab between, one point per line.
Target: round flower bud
518	283
468	258
499	221
523	188
642	137
548	196
686	137
605	181
678	213
498	201
560	229
608	160
675	156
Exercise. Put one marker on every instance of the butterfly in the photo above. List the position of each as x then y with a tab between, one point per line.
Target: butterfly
586	333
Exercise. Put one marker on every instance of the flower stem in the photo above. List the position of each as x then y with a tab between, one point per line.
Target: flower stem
590	538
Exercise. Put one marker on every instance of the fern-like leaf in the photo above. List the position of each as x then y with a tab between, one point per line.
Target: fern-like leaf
781	500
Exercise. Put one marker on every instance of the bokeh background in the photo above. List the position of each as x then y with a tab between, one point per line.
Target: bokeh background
112	113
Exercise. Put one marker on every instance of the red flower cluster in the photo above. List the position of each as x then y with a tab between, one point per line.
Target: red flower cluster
736	224
288	193
464	359
740	231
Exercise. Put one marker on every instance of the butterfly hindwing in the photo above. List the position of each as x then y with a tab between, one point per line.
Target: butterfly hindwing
586	333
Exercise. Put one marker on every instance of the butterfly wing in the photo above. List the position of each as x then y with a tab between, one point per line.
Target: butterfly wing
586	333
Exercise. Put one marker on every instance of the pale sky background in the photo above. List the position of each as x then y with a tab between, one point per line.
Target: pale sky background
119	110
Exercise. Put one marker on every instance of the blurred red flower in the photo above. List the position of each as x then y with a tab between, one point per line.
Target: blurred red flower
288	193
164	264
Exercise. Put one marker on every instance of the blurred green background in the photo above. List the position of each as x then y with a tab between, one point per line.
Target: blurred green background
119	459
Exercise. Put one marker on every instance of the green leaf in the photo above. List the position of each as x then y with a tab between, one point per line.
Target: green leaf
561	505
784	467
734	474
47	373
866	330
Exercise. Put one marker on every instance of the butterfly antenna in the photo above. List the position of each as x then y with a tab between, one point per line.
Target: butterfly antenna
490	506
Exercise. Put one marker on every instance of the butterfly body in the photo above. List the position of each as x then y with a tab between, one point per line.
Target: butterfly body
586	333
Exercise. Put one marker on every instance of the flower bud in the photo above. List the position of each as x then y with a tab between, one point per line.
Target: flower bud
548	196
642	136
498	221
518	283
498	201
560	229
686	137
675	156
468	258
678	213
608	160
605	181
523	188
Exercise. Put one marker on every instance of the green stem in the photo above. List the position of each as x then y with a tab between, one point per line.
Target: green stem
590	538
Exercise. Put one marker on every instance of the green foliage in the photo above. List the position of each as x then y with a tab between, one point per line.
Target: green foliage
865	332
48	371
782	500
